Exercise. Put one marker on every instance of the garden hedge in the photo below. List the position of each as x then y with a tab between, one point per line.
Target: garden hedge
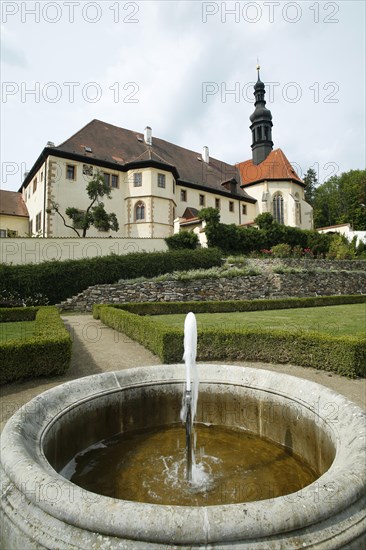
225	306
14	314
345	355
60	280
154	335
47	352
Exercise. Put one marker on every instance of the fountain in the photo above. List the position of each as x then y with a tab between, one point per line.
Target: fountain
53	438
190	395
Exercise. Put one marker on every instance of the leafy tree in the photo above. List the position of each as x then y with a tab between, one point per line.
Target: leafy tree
264	220
311	181
342	199
95	214
209	215
340	249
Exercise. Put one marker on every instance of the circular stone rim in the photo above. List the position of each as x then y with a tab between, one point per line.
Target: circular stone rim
25	463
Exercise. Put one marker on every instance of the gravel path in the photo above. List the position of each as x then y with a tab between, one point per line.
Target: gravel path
97	348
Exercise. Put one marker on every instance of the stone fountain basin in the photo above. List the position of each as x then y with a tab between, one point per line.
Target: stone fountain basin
41	509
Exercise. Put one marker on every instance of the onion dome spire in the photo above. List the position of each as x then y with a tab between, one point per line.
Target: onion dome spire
261	126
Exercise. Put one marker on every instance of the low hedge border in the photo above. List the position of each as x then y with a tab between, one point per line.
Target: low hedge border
344	355
14	314
47	352
153	335
165	308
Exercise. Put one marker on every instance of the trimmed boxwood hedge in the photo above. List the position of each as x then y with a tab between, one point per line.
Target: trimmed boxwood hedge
60	280
14	314
225	306
47	352
345	355
155	336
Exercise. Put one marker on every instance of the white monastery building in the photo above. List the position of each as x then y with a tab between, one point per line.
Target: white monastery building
156	183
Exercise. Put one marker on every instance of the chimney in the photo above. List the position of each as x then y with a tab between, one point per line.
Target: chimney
205	155
148	135
50	144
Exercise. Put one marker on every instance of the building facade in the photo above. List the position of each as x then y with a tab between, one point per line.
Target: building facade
14	219
154	183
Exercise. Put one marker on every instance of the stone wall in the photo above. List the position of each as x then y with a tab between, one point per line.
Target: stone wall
265	285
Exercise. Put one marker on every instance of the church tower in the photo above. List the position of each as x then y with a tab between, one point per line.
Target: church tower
261	126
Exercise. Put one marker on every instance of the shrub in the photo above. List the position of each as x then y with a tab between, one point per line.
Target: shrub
297	251
14	314
164	308
281	251
344	355
11	298
184	239
47	352
164	341
340	249
60	280
264	220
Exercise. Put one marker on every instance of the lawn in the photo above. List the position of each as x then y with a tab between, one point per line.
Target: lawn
335	320
17	330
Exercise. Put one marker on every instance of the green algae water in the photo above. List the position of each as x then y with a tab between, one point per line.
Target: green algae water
231	466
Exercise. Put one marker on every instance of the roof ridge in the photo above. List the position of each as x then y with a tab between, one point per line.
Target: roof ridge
78	132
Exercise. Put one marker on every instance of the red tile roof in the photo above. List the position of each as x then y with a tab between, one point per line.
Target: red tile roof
12	204
275	167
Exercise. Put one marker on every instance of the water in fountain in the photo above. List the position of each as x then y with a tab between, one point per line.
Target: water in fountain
156	465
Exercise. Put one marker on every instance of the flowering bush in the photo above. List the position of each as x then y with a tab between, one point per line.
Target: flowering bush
297	251
281	250
14	299
308	253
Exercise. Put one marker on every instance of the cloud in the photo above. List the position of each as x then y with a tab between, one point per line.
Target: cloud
11	54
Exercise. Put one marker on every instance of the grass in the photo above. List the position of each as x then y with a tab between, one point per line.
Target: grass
16	330
344	320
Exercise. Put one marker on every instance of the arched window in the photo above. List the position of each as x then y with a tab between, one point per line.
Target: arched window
298	209
277	206
140	211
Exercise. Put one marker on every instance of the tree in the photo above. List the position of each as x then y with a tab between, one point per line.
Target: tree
95	214
210	215
342	199
311	181
326	203
264	220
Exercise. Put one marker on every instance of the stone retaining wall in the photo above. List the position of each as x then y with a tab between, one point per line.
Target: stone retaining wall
266	285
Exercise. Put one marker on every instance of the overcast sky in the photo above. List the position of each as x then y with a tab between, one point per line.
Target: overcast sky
187	70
